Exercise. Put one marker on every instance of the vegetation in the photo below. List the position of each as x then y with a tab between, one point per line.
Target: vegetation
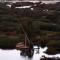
6	42
42	24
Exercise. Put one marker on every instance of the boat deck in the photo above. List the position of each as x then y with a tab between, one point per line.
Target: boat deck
21	46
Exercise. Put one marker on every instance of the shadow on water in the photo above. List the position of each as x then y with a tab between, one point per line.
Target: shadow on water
27	52
31	54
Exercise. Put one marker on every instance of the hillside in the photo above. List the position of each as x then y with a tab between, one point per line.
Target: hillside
42	24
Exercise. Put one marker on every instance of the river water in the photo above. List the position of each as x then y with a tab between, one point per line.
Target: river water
15	54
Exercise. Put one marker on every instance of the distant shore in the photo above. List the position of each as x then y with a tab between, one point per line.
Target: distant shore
46	2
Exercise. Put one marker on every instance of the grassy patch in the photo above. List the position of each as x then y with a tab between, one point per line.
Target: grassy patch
6	42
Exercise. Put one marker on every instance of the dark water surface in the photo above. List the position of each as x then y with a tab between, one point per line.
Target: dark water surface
15	54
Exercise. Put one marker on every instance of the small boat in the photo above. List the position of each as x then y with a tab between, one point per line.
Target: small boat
25	50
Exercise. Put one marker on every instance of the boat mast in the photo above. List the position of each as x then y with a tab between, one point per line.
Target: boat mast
21	25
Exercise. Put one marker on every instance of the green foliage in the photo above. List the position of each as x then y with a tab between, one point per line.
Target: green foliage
38	21
54	43
8	42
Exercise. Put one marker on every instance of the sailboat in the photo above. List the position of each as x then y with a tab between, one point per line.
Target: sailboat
26	50
27	46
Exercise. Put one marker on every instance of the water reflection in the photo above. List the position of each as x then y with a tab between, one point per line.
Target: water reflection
15	55
28	53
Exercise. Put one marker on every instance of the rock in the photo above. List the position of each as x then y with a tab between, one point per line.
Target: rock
45	58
